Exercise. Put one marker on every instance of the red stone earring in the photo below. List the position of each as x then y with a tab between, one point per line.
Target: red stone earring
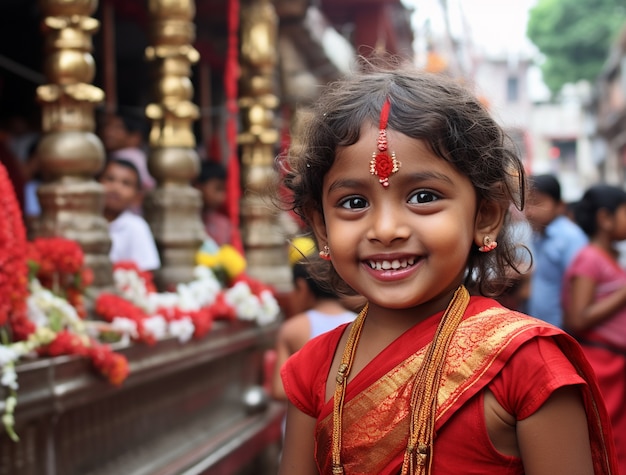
488	245
325	253
382	163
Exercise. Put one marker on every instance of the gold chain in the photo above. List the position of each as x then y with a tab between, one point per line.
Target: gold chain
340	387
419	451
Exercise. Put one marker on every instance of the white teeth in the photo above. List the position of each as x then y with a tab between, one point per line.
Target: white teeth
395	264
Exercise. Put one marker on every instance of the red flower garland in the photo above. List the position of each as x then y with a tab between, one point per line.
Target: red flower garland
58	264
111	365
256	286
13	268
108	306
65	343
146	276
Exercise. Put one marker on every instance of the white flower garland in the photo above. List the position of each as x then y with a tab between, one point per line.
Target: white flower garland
190	296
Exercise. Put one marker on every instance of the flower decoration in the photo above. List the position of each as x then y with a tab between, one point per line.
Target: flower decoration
111	365
13	267
42	309
225	261
138	313
51	326
58	264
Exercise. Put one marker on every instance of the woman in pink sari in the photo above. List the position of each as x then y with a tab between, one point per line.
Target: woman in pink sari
594	300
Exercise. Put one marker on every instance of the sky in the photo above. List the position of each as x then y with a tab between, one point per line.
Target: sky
494	26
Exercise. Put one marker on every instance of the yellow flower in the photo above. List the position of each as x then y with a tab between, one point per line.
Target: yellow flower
231	260
300	248
206	259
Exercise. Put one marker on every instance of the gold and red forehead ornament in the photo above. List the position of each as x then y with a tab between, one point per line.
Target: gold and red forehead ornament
382	163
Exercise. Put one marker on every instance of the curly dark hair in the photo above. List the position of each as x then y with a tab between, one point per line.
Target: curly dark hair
596	198
428	107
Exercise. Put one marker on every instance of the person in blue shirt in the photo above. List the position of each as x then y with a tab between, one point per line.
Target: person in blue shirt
555	242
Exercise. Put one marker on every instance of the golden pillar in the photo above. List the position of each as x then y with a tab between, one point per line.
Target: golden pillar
262	233
173	209
69	151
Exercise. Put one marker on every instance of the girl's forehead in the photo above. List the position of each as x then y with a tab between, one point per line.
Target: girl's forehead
408	151
418	165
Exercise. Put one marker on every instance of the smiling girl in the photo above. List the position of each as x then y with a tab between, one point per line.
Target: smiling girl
406	183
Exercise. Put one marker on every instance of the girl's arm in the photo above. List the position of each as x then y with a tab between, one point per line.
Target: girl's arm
555	439
583	311
282	353
298	448
292	336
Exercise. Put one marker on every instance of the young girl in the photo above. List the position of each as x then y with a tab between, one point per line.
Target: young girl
406	182
594	300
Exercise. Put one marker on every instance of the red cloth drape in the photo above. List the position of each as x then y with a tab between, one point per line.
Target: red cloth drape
231	78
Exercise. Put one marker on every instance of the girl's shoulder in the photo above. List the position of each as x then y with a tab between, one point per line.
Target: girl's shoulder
304	374
326	340
494	327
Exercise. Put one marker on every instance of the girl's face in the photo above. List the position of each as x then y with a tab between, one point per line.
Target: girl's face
407	244
619	224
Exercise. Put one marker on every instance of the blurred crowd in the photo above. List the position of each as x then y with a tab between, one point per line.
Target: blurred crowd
125	178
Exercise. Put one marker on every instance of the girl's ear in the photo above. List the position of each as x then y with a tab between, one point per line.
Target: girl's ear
489	221
318	226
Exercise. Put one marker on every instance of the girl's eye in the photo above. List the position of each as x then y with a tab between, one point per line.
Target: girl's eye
423	197
354	202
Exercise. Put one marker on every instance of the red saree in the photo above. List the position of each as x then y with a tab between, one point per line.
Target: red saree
519	358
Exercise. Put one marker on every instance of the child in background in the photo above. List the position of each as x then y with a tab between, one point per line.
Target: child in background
123	136
406	181
316	311
594	300
131	237
212	184
555	242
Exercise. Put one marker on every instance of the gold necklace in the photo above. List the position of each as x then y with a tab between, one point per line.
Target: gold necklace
419	451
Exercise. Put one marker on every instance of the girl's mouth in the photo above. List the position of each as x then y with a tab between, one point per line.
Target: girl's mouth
394	264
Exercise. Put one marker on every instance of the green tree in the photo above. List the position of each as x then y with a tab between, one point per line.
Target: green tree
574	37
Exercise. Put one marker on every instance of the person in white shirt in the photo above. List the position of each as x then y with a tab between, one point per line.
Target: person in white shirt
131	237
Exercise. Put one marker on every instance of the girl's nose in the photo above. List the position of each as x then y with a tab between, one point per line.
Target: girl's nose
388	224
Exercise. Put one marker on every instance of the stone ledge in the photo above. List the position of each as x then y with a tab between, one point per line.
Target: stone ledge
181	407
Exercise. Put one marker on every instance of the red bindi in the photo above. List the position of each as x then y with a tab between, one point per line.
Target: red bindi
383	164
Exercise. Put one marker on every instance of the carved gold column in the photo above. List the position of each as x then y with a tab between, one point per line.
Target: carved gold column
262	233
173	209
70	153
